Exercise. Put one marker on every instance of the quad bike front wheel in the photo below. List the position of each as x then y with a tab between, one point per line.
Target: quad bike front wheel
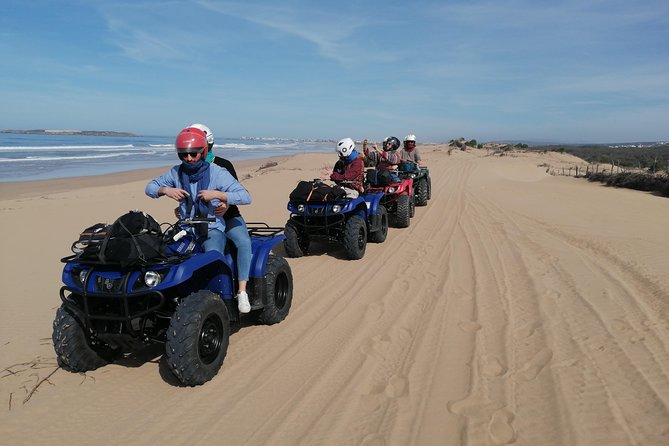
197	339
276	290
74	350
296	244
421	192
402	216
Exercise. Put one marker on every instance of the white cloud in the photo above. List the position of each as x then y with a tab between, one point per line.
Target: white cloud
333	33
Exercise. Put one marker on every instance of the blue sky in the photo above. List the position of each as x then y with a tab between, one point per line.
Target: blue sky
564	71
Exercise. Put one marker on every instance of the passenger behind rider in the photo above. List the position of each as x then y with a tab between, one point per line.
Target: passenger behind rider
235	226
200	188
388	159
349	171
409	152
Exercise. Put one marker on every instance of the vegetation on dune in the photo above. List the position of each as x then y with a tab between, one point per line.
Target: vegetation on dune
634	180
651	158
644	168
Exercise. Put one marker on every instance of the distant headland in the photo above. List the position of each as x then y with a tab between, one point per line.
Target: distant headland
69	132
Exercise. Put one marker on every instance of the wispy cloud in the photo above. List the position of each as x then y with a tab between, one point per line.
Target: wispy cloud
333	33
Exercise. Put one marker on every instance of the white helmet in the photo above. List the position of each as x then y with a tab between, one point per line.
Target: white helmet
207	131
345	147
410	137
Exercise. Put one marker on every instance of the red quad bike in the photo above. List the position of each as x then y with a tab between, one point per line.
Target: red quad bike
398	198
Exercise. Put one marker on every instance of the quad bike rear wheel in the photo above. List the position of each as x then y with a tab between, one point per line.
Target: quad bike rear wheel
380	235
198	337
355	238
276	290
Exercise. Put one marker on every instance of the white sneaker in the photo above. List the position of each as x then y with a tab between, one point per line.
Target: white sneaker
243	302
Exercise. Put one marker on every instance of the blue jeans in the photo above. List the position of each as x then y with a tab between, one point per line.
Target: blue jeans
238	233
215	241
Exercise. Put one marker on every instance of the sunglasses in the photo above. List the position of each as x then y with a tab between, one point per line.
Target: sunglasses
183	156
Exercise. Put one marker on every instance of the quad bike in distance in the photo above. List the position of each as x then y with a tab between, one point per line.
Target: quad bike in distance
351	222
398	198
422	183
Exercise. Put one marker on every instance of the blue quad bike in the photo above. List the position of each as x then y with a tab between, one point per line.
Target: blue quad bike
351	222
183	299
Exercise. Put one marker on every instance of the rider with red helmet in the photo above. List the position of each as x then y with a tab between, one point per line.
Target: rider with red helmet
199	187
235	226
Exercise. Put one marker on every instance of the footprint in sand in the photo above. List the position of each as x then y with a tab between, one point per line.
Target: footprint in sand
500	429
620	325
400	286
372	397
469	326
528	329
398	386
473	406
403	334
492	367
376	346
373	440
374	311
535	365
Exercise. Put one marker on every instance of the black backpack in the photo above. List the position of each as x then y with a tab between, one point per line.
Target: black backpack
379	177
134	238
316	191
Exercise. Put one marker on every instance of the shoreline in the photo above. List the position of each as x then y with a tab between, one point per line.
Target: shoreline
31	188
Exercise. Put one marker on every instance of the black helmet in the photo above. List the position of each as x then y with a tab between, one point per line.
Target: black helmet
391	143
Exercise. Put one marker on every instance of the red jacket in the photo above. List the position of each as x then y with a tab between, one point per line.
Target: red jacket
353	172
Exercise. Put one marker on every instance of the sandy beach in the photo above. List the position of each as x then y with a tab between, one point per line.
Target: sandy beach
518	308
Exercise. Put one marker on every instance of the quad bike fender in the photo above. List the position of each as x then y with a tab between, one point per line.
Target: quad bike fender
372	201
406	187
220	282
261	248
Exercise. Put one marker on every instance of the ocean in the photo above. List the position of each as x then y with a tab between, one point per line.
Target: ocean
25	157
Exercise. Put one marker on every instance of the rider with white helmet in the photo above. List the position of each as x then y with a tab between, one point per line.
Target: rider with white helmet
210	140
409	152
349	171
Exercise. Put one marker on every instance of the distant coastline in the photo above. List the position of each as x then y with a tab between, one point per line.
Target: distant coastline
69	132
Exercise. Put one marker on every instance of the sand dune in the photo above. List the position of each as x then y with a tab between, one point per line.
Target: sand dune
518	308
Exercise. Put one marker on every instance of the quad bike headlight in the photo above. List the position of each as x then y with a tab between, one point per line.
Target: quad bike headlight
152	278
391	190
79	276
300	208
336	208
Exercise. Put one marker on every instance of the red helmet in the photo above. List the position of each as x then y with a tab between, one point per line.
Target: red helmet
191	140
